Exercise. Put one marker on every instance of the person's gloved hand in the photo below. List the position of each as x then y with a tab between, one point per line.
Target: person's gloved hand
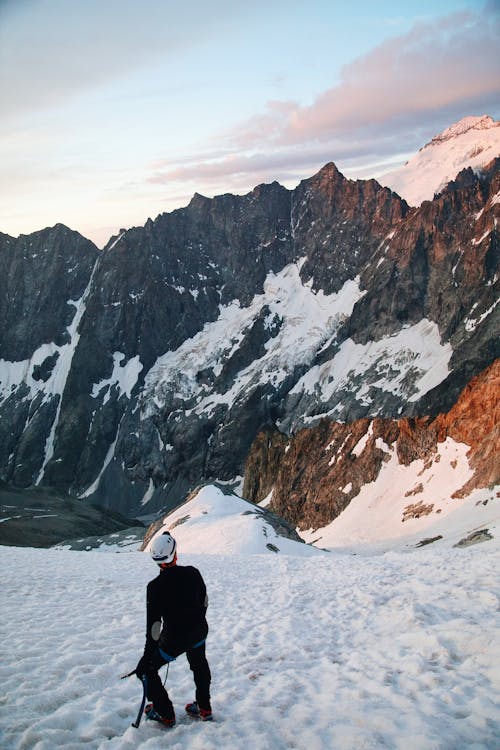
142	666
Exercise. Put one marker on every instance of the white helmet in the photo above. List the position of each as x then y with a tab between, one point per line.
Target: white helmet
163	548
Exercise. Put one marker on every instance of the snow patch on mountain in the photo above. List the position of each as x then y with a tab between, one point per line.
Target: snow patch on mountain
362	443
407	501
407	364
68	352
215	523
107	460
472	323
471	142
124	377
304	321
14	374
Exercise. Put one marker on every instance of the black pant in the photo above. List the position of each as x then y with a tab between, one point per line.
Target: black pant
157	694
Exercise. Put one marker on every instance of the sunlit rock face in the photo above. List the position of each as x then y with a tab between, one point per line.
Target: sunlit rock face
312	477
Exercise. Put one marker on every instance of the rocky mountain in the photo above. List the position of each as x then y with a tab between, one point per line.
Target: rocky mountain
129	375
472	142
381	468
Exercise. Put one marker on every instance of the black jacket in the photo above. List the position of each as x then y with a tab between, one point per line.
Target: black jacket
176	605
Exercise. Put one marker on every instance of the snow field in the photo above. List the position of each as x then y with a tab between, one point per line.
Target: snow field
312	653
375	514
213	522
308	318
471	142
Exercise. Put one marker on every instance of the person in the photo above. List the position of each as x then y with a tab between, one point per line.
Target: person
175	624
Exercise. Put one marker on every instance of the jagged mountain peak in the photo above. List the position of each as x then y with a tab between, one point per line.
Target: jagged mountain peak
329	168
58	231
198	200
329	173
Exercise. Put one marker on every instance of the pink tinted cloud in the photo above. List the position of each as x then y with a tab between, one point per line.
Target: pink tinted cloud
229	174
437	72
281	163
435	66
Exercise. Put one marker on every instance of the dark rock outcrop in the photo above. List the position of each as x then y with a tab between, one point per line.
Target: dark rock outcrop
40	518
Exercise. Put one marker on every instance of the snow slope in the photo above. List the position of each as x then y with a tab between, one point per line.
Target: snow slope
373	519
471	142
308	320
409	363
380	514
216	523
395	651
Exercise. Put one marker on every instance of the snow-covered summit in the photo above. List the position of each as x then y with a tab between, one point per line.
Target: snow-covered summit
213	522
471	142
484	122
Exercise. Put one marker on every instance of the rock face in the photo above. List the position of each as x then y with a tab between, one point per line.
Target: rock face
129	376
475	421
315	474
42	288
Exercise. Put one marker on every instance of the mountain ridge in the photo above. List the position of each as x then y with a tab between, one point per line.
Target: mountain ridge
166	352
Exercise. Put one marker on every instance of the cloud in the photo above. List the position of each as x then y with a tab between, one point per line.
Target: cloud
282	164
51	51
388	101
437	66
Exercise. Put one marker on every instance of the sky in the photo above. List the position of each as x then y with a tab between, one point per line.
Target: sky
114	111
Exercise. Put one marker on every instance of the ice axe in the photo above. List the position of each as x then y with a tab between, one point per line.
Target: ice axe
144	681
124	676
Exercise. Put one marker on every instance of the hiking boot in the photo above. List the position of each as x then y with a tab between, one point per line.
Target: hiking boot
155	716
193	710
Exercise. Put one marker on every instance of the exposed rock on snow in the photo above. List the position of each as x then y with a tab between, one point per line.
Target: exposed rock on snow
429	540
483	535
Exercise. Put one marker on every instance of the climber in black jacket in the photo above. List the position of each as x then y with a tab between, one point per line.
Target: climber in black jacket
176	605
